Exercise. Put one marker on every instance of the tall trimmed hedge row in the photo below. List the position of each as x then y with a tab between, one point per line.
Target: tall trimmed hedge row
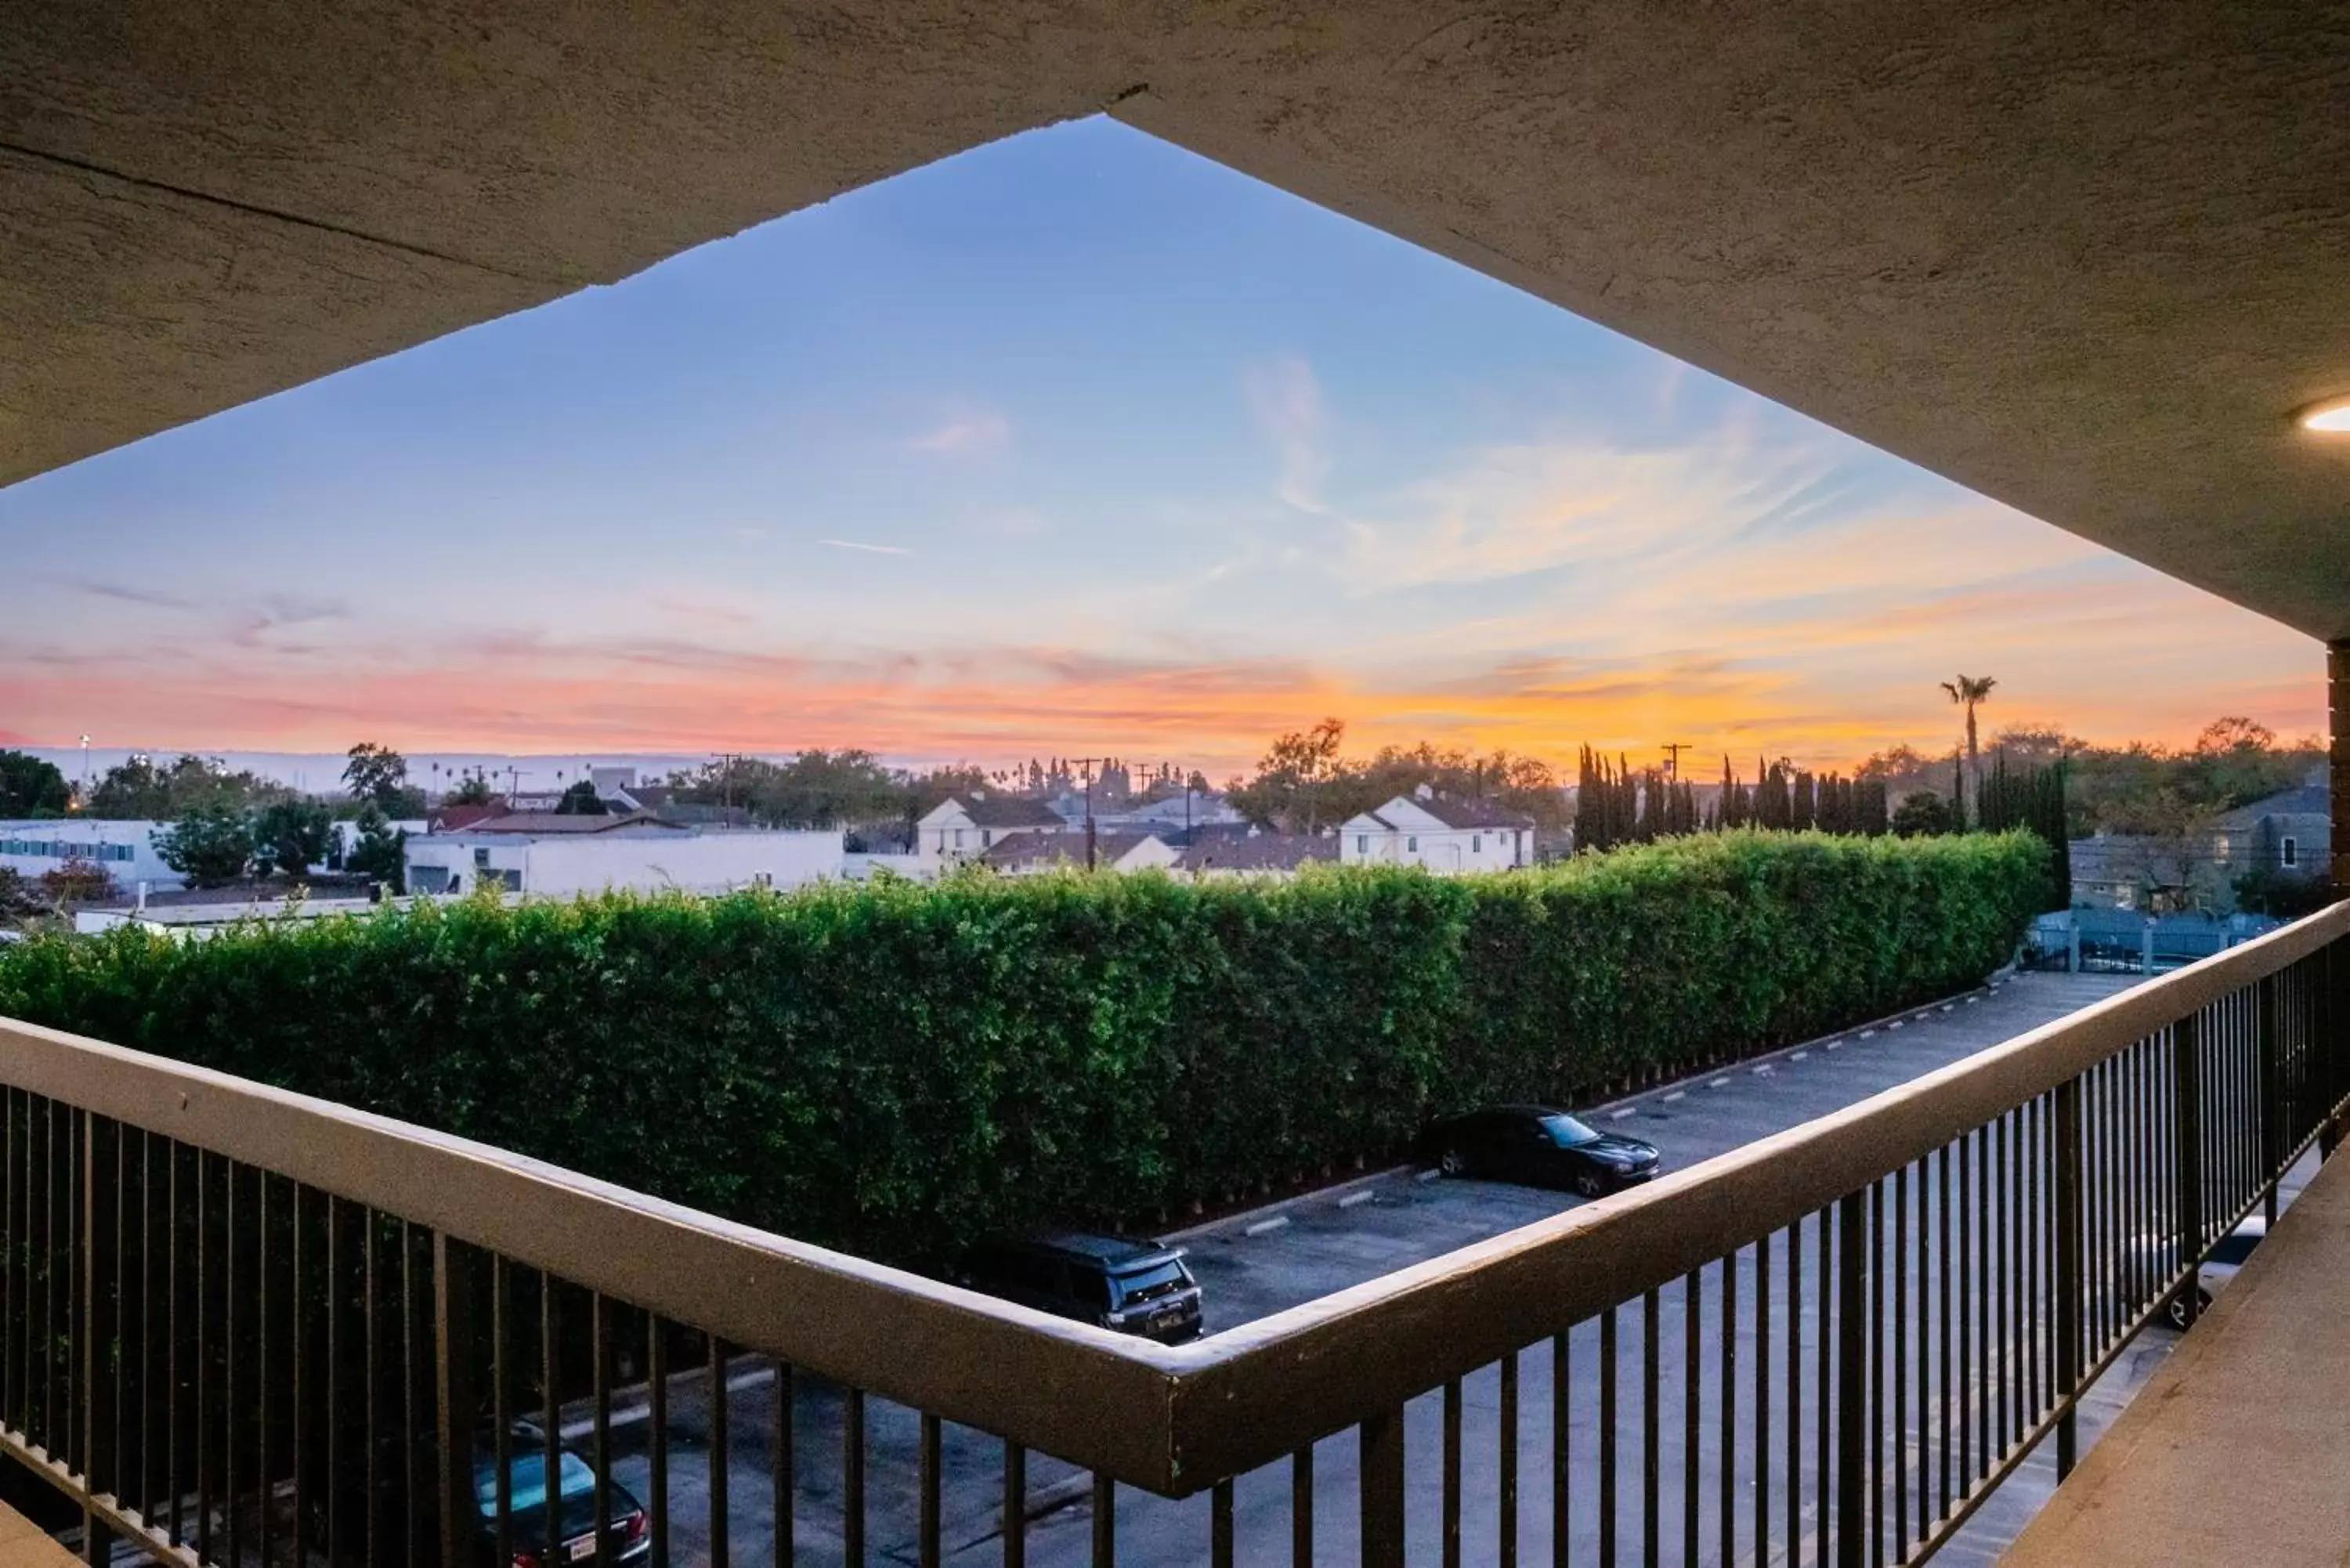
890	1069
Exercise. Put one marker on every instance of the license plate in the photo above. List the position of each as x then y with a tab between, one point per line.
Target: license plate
583	1547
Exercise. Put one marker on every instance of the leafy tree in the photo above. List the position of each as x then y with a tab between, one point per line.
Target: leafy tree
580	800
138	790
1921	814
378	850
31	787
1292	779
211	844
377	773
473	790
2286	894
291	837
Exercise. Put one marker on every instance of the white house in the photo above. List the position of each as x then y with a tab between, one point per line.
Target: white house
1441	832
964	828
564	857
124	851
1033	853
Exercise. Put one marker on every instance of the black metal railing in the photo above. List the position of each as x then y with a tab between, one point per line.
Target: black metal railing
248	1328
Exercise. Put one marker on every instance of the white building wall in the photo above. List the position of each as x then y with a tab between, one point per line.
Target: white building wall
126	849
557	867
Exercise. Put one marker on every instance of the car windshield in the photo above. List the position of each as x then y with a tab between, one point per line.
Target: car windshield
1158	1279
529	1487
1566	1132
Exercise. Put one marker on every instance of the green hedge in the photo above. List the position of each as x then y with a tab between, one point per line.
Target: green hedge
890	1067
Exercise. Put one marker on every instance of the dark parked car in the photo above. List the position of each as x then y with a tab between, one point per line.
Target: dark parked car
1539	1147
1133	1287
401	1532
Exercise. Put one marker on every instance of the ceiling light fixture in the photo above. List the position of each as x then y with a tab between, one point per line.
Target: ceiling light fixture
2331	417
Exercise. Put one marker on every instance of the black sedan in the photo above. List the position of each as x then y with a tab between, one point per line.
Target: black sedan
1539	1147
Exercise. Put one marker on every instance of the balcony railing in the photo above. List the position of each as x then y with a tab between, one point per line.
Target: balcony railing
247	1327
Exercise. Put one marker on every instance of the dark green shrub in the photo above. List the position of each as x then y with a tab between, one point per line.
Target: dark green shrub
890	1067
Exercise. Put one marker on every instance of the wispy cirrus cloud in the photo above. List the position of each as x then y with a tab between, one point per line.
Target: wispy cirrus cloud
125	593
1285	401
868	549
966	433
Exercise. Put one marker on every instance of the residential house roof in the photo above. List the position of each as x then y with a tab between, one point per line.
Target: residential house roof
1008	811
1473	813
547	823
1262	852
456	818
1028	850
2306	800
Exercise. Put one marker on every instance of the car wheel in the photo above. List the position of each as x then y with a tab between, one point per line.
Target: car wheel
1453	1163
1589	1185
2177	1309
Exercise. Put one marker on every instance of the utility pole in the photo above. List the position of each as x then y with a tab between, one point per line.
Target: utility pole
1673	750
85	773
1085	771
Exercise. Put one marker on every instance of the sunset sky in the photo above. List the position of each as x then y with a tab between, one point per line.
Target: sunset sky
1075	443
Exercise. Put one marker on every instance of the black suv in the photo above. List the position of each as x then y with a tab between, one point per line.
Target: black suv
1133	1287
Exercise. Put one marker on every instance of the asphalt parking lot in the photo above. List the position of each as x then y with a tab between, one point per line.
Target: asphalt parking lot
1256	1264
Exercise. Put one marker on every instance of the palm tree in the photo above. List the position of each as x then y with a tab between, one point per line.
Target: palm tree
1970	691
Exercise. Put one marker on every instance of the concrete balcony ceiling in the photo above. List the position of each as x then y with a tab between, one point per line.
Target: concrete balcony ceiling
2087	260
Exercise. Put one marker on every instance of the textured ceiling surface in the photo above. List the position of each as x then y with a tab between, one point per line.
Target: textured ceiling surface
2086	260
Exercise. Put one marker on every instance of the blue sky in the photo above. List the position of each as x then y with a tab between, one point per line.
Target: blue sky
1072	443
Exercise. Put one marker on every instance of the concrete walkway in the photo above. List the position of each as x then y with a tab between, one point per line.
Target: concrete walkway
2237	1450
23	1544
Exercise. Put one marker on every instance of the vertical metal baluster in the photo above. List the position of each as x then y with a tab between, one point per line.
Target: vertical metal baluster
550	1434
1796	1392
852	1485
1900	1283
2002	1235
232	1405
1449	1505
1851	1381
1943	1266
722	1463
1986	1262
2187	1053
1382	1467
2065	1270
203	1349
502	1412
657	1444
1607	1438
1105	1521
1219	1525
600	1391
785	1460
1693	1403
261	1358
1016	1505
1966	1314
88	1332
1301	1508
457	1405
334	1412
1508	1500
407	1443
1875	1264
1652	1420
1727	1462
1562	1447
927	1540
116	1479
1824	1409
299	1429
1761	1399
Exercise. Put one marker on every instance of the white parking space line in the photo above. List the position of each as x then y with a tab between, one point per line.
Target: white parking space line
1353	1199
1676	1094
1869	1034
1265	1227
1718	1084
